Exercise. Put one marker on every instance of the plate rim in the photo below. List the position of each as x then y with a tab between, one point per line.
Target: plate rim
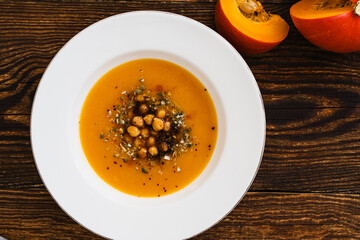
147	12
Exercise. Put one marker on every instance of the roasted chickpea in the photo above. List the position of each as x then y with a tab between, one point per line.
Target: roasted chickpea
133	131
145	133
163	147
160	113
139	142
138	121
139	98
142	152
167	126
153	133
151	141
148	119
158	124
153	151
143	108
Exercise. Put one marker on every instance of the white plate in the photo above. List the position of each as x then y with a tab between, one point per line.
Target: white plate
55	131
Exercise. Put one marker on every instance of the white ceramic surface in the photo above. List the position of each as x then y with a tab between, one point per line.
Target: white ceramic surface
55	130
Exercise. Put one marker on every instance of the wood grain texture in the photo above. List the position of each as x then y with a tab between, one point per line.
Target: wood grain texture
308	184
30	214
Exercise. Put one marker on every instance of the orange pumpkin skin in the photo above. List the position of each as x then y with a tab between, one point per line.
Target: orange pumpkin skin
339	33
242	42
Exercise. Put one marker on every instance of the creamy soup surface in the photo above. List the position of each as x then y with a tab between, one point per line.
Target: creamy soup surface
148	127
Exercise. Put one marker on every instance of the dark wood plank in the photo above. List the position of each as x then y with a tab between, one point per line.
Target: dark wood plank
290	216
312	101
30	214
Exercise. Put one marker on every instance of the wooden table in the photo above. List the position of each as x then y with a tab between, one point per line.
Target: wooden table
308	186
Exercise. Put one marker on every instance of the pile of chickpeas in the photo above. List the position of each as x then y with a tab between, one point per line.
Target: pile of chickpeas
144	130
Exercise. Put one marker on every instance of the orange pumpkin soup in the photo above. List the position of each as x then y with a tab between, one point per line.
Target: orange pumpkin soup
148	127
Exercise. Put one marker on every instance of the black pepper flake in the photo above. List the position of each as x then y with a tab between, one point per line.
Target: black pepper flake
144	170
115	162
158	195
149	178
157	184
195	150
176	185
143	184
120	165
209	146
205	89
107	168
213	128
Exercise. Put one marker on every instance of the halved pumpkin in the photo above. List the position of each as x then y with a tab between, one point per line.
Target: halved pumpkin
333	25
248	27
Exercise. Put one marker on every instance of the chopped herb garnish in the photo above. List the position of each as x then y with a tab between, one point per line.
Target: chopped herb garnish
186	130
173	139
101	135
144	170
137	91
142	80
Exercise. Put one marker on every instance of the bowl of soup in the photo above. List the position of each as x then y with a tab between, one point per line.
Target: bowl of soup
147	125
